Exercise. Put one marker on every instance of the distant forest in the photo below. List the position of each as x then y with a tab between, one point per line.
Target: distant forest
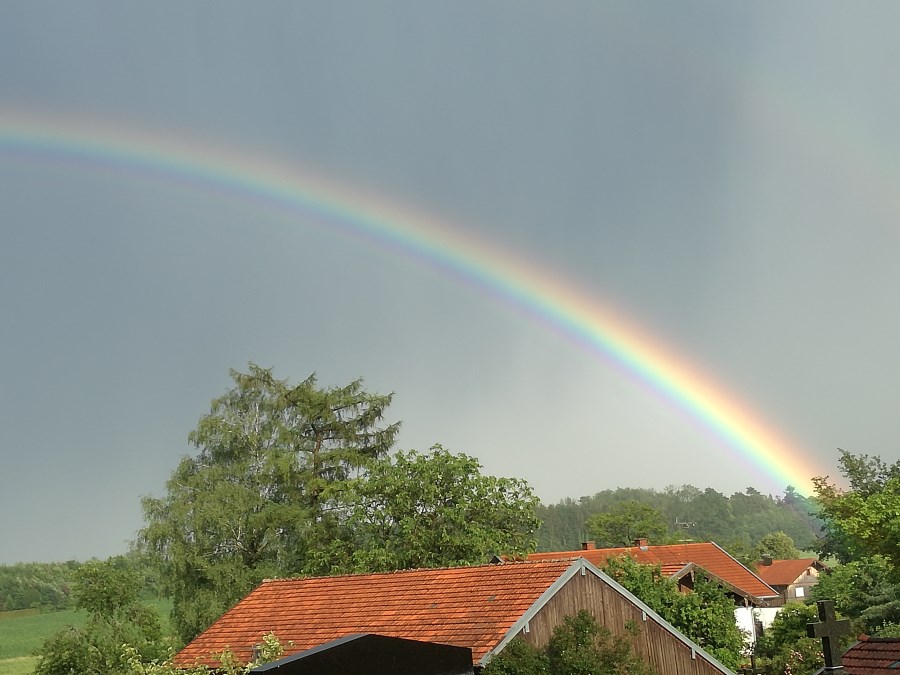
47	586
737	523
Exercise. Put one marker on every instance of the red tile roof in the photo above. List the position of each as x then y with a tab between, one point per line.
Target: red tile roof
471	607
708	556
872	656
784	572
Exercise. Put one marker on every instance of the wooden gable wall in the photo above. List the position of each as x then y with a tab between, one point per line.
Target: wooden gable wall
665	652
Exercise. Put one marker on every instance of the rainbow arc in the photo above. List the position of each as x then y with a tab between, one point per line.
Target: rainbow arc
393	226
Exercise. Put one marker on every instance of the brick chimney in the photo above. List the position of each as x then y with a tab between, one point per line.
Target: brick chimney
642	543
588	545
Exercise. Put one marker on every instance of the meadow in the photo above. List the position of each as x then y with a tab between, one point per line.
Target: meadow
22	632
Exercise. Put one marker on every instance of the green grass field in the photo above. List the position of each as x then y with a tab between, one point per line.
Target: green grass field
21	665
22	633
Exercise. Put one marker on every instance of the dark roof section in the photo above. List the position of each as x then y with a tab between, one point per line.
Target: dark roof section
375	655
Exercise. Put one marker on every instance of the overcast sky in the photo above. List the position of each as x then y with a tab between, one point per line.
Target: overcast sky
724	175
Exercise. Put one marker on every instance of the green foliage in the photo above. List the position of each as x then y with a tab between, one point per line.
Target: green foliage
264	491
271	649
777	546
784	647
578	646
430	510
24	635
864	520
889	629
625	522
296	481
736	522
44	586
518	658
109	594
705	615
863	590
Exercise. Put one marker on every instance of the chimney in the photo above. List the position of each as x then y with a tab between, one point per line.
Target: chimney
767	560
588	545
642	543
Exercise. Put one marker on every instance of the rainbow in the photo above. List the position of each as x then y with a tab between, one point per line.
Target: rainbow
424	237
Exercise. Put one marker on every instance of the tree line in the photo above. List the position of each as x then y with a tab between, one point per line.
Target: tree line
738	522
42	586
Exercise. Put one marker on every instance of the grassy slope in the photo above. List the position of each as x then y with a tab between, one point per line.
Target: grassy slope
20	635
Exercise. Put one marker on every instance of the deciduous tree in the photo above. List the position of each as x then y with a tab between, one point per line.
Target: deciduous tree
625	522
263	490
777	546
864	519
434	509
108	592
865	591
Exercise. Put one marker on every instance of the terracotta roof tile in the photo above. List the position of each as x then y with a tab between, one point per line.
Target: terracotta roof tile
708	556
871	656
471	607
784	572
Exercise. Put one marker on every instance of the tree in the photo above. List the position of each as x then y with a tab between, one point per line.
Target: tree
108	592
270	649
777	546
705	615
263	492
578	646
430	510
625	522
864	520
863	590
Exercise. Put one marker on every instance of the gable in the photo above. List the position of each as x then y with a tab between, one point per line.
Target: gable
785	572
584	586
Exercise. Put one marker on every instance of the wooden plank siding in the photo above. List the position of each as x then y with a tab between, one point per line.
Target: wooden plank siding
665	652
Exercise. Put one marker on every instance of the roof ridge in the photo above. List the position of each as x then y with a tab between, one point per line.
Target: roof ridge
444	568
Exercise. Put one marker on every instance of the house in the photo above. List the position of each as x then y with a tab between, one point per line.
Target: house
374	655
791	578
481	608
756	603
680	561
872	656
